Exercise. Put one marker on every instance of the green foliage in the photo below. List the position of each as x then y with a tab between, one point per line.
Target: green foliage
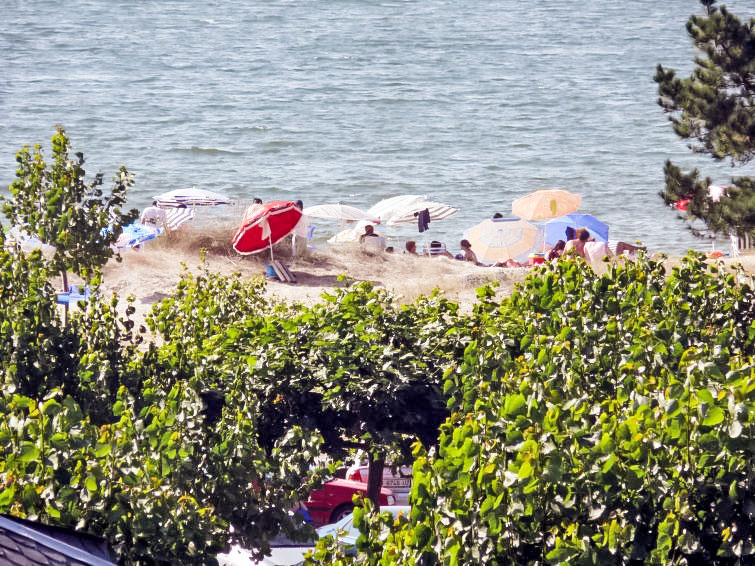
584	420
360	370
713	107
31	340
351	366
88	358
56	204
202	308
95	437
619	427
378	530
154	482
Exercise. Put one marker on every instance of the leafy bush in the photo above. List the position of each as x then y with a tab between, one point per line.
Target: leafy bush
94	436
54	203
610	421
588	419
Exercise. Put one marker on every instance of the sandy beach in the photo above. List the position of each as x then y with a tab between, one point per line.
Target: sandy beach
150	274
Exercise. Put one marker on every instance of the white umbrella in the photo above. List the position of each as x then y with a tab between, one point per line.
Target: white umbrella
500	239
339	212
389	207
437	211
191	197
403	209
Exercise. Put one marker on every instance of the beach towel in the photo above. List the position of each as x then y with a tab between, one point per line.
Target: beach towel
423	219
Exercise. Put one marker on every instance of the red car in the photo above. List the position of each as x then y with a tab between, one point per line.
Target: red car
333	500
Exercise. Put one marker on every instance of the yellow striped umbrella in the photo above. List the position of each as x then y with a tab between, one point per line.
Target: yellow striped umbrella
546	203
501	239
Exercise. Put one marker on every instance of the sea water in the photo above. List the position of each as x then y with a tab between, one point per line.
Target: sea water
469	102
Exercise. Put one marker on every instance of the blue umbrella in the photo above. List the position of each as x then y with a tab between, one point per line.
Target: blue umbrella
555	229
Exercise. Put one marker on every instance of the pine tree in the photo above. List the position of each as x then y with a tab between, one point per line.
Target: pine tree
714	109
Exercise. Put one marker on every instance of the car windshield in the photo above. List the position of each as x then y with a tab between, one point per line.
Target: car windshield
282	540
342	525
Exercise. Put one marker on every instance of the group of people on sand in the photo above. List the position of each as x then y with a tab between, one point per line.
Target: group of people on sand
439	249
434	249
578	243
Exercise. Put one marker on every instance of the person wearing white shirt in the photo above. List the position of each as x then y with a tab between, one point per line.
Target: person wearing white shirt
153	215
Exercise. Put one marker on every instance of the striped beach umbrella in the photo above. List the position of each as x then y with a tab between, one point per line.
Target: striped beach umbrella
177	217
403	209
191	197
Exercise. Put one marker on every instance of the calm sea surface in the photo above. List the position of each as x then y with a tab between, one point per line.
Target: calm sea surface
470	102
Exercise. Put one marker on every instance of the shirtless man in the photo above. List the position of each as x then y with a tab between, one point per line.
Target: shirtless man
578	243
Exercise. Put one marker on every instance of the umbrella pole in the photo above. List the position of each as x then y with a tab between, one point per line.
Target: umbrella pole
270	239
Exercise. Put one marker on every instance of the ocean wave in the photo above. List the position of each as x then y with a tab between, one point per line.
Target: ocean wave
206	150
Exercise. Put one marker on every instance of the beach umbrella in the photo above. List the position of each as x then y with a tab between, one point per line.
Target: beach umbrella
501	239
403	209
386	208
339	212
264	225
546	203
191	197
177	217
436	210
555	229
136	234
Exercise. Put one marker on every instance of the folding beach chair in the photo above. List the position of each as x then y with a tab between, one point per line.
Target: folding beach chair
282	271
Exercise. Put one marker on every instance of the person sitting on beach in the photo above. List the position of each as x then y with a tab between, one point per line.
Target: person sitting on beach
628	249
369	232
466	250
372	240
411	247
438	249
153	215
578	243
556	250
